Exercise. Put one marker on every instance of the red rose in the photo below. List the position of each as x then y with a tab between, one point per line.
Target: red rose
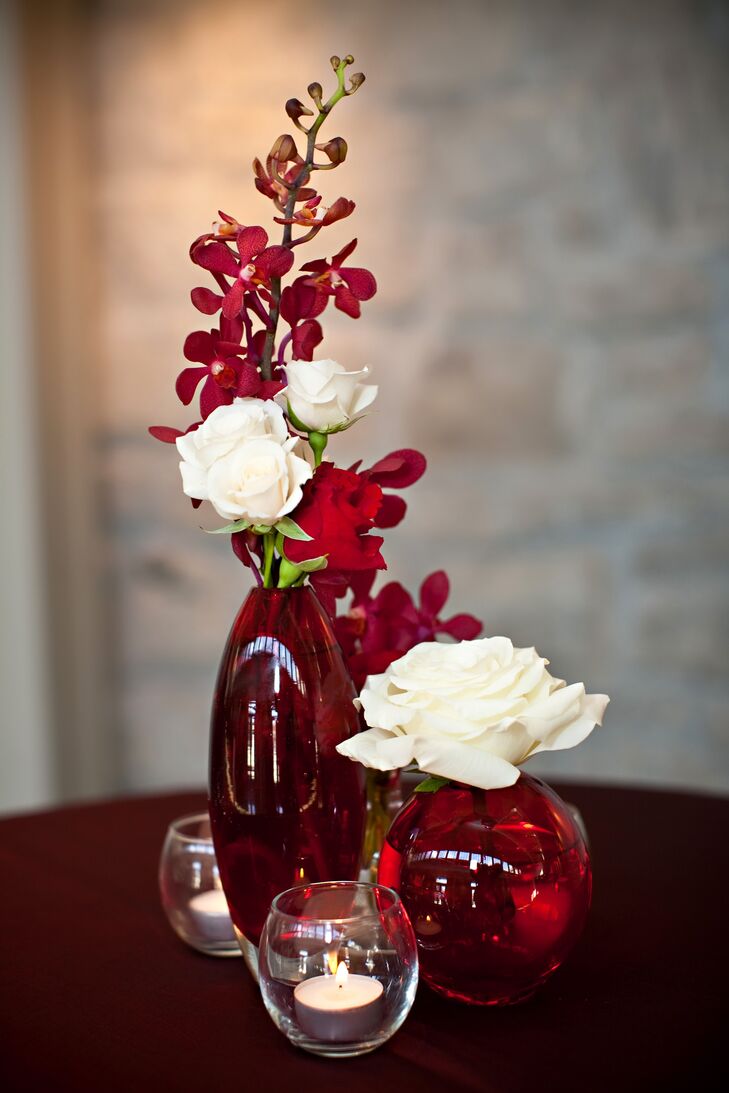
338	511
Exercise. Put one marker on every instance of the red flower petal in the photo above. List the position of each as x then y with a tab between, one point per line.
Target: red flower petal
341	208
200	347
461	627
393	600
251	241
187	383
165	433
233	300
434	593
206	300
320	265
275	261
231	330
343	254
361	282
305	339
399	469
346	302
269	388
391	511
249	381
212	396
216	257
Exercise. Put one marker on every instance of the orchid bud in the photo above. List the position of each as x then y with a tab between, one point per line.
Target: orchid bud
296	110
356	81
284	149
334	62
349	59
316	92
335	150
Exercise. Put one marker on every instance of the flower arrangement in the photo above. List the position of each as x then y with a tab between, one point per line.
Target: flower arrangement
267	408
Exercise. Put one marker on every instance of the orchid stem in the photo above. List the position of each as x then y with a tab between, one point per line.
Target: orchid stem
301	178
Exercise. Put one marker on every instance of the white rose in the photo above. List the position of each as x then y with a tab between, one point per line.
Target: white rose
243	460
470	712
323	395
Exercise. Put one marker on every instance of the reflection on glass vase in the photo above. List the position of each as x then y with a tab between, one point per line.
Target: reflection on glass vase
384	801
285	807
497	885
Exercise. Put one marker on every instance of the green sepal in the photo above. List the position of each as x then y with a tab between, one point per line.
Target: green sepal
297	424
431	784
312	565
288	573
291	530
229	529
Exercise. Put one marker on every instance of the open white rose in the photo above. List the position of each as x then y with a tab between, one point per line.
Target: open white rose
323	395
470	712
243	460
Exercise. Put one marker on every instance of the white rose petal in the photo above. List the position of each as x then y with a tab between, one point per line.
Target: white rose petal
471	712
323	395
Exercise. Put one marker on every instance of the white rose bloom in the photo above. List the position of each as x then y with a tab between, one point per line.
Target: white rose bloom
243	460
324	395
470	712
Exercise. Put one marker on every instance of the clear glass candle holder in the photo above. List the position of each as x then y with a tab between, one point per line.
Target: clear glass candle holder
338	966
189	884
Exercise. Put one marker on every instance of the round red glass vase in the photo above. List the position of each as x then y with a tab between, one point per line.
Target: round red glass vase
497	884
285	807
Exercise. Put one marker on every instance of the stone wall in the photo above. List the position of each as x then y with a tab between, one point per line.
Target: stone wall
542	194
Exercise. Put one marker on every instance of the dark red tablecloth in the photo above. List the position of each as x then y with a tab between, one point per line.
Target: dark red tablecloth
97	994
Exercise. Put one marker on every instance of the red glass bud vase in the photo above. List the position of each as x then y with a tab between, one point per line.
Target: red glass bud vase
497	885
285	807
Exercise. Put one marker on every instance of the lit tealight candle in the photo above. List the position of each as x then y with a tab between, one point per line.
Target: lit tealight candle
211	914
339	1008
426	926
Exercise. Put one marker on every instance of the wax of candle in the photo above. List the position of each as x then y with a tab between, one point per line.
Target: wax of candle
339	1008
211	914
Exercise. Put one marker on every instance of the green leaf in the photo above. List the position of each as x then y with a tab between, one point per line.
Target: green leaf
291	530
431	784
229	529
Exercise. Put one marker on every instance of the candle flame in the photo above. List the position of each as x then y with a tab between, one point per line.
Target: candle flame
332	963
342	975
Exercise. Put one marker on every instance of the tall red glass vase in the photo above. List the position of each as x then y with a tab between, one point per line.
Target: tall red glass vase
285	807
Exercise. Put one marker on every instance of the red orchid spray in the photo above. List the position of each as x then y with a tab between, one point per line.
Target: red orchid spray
267	408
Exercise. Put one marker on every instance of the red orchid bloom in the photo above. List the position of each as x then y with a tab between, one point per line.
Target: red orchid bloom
226	376
378	630
251	271
349	285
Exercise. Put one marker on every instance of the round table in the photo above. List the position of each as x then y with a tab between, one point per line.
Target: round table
97	993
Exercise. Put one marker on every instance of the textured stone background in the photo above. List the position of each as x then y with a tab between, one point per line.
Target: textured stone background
542	194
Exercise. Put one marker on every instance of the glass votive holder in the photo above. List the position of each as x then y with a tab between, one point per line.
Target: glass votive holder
189	884
338	966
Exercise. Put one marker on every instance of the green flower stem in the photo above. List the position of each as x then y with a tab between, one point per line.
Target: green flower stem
300	180
318	442
268	547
